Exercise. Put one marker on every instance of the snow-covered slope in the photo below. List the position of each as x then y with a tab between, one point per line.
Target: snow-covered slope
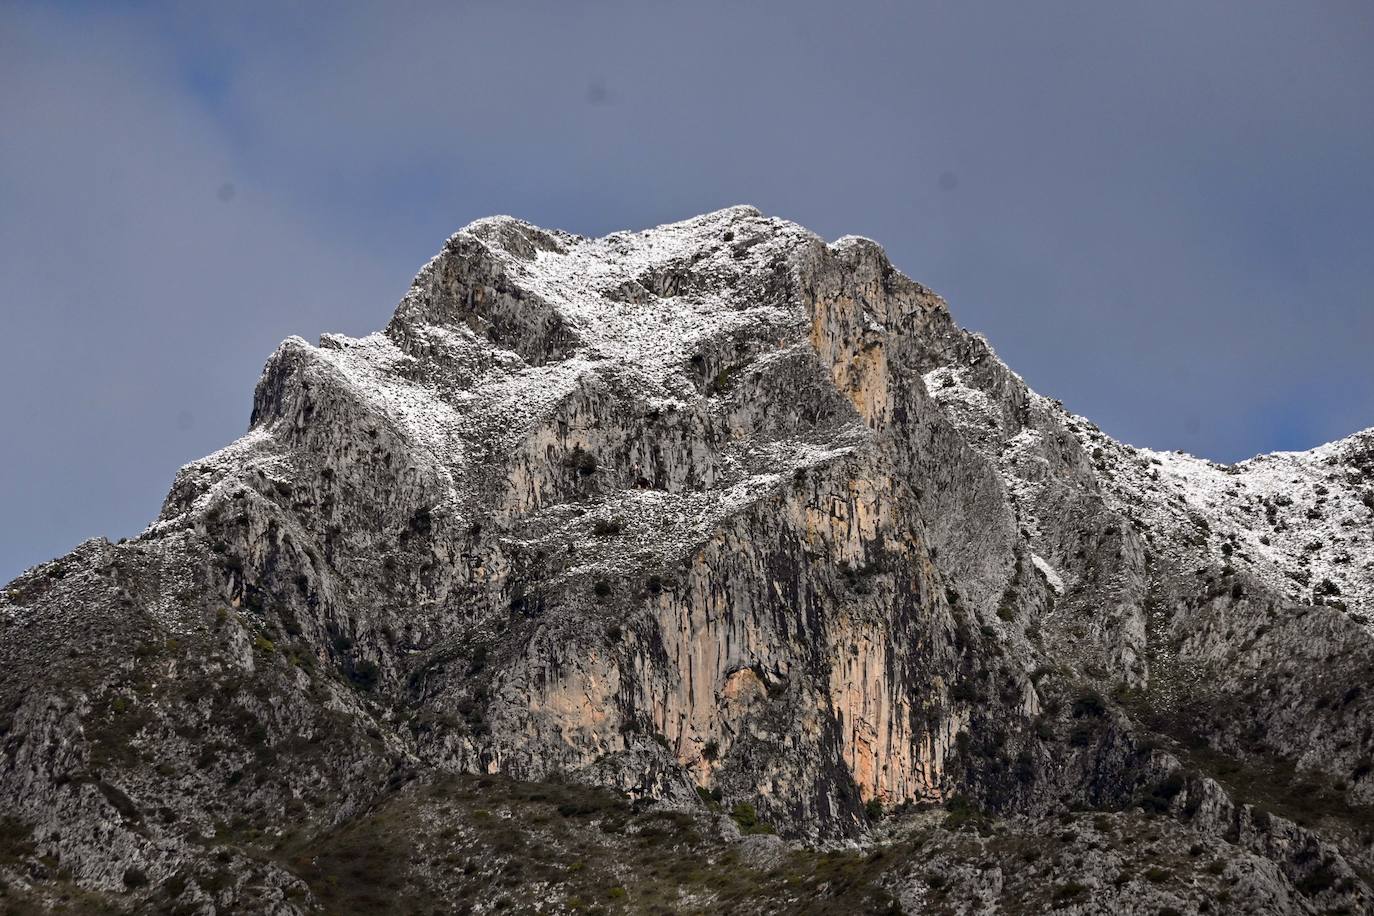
1299	524
1302	523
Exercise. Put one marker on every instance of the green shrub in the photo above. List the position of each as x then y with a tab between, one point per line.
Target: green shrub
964	692
364	674
1157	799
1320	880
582	461
422	521
1089	703
748	819
961	812
709	797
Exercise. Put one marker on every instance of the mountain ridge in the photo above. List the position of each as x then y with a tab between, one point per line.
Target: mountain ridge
728	519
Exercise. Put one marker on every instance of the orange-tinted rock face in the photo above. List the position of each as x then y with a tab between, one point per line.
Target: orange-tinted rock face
670	511
747	528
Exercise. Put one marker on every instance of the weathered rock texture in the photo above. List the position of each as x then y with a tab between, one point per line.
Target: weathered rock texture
722	518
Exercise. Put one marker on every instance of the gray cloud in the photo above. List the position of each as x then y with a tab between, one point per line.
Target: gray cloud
1161	215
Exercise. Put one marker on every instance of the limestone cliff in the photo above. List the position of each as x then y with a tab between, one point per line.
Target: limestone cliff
735	524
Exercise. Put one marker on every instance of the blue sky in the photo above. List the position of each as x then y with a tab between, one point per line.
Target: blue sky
1162	214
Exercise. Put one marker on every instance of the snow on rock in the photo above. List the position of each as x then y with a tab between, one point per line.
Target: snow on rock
714	510
1300	522
1050	573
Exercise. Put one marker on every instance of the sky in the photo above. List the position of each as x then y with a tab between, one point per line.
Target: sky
1160	213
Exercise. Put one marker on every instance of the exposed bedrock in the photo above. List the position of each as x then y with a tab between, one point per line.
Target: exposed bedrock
713	515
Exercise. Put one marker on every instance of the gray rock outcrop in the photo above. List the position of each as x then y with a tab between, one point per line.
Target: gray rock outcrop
740	526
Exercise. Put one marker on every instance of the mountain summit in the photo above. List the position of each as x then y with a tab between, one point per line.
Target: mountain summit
707	566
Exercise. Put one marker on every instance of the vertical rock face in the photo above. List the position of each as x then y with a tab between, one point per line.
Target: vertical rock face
711	513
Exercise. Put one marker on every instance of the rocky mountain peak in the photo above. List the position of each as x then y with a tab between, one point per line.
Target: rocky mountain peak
718	526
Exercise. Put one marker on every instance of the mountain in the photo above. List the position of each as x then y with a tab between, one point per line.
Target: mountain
710	566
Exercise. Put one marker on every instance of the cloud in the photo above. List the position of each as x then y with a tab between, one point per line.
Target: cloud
1160	215
137	306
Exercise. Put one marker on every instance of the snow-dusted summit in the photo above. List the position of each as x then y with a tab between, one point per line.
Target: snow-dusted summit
608	562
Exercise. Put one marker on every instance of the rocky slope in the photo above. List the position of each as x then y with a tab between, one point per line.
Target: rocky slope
706	566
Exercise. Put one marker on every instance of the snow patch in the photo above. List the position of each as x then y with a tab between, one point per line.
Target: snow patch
1049	572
